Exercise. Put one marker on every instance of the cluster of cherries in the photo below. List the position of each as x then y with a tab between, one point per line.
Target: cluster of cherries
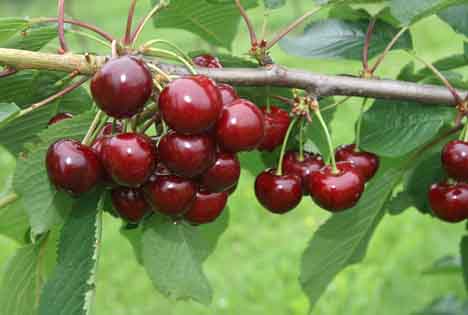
449	199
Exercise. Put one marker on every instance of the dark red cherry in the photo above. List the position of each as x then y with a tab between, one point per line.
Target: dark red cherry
207	61
278	193
449	202
228	93
191	105
455	159
187	156
59	117
73	166
169	194
129	158
108	128
206	207
241	127
223	175
122	87
276	125
367	163
130	203
336	192
311	162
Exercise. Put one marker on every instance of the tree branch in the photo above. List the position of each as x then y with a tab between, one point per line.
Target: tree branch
322	85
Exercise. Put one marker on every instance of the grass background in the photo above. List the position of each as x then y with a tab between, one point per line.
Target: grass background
255	268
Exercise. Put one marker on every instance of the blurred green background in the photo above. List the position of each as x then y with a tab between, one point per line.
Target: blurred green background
255	268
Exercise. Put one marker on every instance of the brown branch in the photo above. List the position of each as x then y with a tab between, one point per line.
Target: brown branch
318	84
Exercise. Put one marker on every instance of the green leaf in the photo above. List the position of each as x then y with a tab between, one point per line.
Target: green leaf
464	258
215	22
134	235
394	129
10	26
343	239
44	204
335	38
34	38
444	265
408	12
455	16
274	4
70	288
447	305
173	255
8	111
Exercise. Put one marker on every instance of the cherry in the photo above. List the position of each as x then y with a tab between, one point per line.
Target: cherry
207	61
449	202
336	192
278	193
59	117
223	175
191	105
187	156
276	125
169	194
73	167
129	203
292	164
455	159
206	207
228	93
108	128
367	163
122	87
241	127
129	158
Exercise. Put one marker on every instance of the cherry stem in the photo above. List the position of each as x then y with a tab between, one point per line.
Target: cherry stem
279	170
389	47
248	22
301	140
464	133
291	27
99	127
148	124
68	77
448	85
141	25
61	26
365	51
284	99
8	199
7	71
128	30
85	25
359	124
88	139
162	53
268	101
329	140
171	45
52	98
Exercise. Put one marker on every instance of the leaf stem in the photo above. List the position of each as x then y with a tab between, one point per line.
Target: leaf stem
336	104
329	140
128	29
359	124
61	26
388	48
52	98
141	25
279	170
248	22
365	51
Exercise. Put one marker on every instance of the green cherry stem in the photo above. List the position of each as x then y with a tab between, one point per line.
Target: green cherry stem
169	44
279	170
464	133
359	123
301	139
162	53
329	140
90	36
141	25
88	139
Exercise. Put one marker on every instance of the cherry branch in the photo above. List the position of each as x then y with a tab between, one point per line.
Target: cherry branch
275	75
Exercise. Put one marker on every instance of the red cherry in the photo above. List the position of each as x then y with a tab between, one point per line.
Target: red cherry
122	87
449	202
241	127
455	159
107	129
276	125
367	163
59	117
187	156
207	61
336	192
73	166
129	203
228	93
278	193
223	175
191	105
206	207
293	165
129	158
169	194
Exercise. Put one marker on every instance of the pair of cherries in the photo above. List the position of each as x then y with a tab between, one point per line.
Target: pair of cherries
307	174
449	200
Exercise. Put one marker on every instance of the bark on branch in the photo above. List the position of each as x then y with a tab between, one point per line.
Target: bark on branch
322	85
